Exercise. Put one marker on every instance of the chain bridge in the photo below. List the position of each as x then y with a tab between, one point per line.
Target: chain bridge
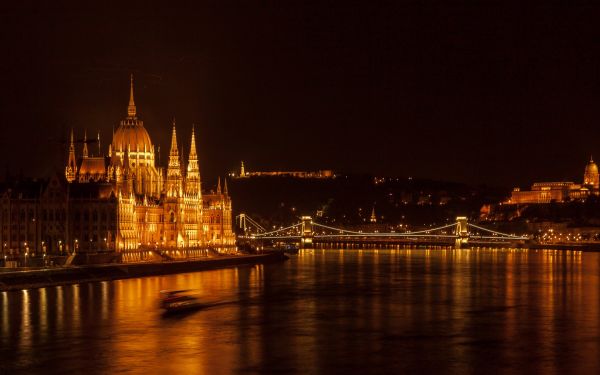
307	231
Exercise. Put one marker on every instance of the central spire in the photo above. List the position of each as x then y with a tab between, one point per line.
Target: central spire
131	112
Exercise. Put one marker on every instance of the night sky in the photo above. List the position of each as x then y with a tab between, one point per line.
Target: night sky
445	90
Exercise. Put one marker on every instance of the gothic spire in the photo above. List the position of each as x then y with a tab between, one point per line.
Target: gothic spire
193	155
225	190
193	172
131	111
174	178
85	148
71	168
219	186
174	152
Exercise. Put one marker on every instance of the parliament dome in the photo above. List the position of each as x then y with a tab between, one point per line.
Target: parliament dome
133	135
131	132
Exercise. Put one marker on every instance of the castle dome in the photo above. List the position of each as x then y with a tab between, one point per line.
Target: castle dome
590	176
591	167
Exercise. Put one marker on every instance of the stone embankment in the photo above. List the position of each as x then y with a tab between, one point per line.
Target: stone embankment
38	278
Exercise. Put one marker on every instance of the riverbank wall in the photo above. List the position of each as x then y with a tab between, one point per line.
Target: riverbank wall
38	278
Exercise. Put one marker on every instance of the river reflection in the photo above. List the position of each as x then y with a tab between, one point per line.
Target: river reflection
359	311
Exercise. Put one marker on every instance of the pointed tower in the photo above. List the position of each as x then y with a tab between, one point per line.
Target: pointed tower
174	177
85	148
373	218
242	170
192	185
71	169
225	190
219	186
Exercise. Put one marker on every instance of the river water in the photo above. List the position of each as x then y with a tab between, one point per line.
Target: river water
324	311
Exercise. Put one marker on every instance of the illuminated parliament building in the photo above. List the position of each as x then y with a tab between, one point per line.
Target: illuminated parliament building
122	201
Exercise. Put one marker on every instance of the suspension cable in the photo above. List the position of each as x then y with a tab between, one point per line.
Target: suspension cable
257	225
385	235
278	230
365	233
493	231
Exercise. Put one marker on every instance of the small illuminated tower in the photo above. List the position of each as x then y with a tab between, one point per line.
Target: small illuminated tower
590	176
242	170
373	218
85	147
71	169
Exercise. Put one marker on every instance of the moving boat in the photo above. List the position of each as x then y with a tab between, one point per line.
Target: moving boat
291	249
179	300
288	249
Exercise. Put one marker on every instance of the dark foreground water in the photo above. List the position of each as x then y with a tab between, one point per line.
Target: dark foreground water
324	311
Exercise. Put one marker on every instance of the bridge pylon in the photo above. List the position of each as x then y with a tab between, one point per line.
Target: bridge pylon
462	231
306	232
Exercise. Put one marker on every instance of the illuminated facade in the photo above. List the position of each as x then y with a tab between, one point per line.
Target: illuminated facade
155	208
546	192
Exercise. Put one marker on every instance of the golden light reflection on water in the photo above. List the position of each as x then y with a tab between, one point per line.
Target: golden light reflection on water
5	317
76	306
25	331
60	308
43	312
326	311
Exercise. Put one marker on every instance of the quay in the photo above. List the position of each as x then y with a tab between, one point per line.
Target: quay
39	278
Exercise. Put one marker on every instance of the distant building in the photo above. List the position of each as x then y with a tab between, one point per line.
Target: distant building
119	202
546	192
326	173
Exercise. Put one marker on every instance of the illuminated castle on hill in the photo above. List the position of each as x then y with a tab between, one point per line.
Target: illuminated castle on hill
244	173
546	192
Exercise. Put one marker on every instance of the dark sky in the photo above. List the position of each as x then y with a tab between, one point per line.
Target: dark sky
446	90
